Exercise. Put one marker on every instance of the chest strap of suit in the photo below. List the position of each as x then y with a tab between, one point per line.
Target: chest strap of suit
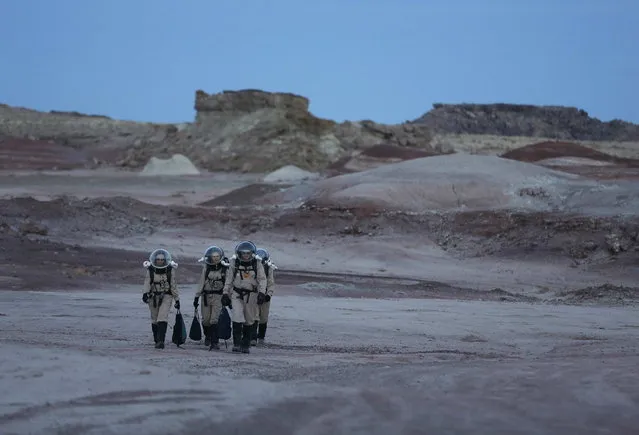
156	287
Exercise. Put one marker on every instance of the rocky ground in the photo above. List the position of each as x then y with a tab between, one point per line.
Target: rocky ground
417	292
383	321
356	365
256	131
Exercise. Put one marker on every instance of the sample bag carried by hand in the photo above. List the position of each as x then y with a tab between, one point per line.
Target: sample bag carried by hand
195	333
224	331
179	330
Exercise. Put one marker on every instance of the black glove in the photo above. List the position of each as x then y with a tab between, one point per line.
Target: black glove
145	298
226	300
196	302
261	298
267	298
177	305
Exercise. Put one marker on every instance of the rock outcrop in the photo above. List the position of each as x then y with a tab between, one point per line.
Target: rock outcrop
557	122
246	101
27	154
258	131
75	129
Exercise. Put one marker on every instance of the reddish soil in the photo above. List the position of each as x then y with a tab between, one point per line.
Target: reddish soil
614	172
338	167
618	168
41	264
27	154
549	150
32	262
502	233
38	264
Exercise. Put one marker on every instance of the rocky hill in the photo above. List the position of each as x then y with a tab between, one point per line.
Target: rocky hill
74	129
557	122
253	130
249	130
258	131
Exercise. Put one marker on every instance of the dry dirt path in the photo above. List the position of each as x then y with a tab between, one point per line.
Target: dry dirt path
86	364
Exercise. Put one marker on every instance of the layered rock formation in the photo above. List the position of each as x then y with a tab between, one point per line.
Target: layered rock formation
557	122
258	131
253	130
246	101
72	128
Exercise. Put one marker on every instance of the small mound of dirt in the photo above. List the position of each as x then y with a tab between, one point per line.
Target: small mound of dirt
244	195
443	182
27	154
177	164
608	294
550	150
289	174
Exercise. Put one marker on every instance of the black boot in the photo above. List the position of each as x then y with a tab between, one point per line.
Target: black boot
154	327
246	338
215	340
161	335
237	336
207	334
261	333
254	333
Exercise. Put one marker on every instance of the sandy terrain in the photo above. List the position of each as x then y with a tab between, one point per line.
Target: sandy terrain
499	319
87	365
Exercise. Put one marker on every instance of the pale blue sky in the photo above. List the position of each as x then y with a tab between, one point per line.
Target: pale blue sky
386	60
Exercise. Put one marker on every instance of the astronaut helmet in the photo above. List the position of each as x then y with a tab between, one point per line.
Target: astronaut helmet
213	255
160	258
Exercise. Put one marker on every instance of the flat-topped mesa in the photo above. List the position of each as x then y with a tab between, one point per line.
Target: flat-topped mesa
527	109
247	101
501	119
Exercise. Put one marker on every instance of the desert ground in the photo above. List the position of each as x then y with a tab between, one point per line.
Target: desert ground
451	294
